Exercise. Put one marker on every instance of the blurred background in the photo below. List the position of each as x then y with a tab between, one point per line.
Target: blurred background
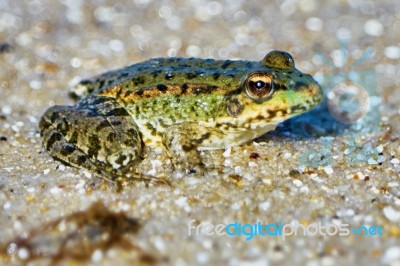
47	46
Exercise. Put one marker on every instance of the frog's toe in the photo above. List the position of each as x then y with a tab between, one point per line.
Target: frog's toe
186	159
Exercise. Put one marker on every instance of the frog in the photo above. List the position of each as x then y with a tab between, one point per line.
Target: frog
184	105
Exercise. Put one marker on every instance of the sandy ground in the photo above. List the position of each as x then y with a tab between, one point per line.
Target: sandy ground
312	170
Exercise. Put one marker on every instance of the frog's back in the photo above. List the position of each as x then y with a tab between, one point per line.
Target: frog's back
166	71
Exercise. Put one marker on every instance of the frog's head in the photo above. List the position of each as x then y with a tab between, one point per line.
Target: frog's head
274	92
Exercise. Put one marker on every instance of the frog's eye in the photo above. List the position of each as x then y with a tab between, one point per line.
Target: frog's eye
279	59
259	87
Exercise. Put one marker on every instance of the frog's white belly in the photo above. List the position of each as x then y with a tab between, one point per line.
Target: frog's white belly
226	138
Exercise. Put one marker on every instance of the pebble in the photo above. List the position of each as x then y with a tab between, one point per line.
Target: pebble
97	255
328	170
314	24
181	202
267	181
287	155
238	169
156	163
392	52
235	206
257	262
23	253
328	261
159	243
395	161
373	27
55	190
379	148
357	175
264	205
304	189
345	212
391	214
252	164
87	174
227	152
7	205
391	255
202	257
297	183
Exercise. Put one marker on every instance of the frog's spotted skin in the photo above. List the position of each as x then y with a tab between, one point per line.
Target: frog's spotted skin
182	104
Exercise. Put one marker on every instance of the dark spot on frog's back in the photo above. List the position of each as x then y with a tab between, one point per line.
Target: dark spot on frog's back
279	86
155	73
103	124
101	83
204	89
127	94
138	80
124	74
162	87
216	76
301	85
191	75
169	75
226	64
184	88
209	89
140	92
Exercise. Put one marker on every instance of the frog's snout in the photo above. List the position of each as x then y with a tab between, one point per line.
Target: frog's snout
310	91
316	93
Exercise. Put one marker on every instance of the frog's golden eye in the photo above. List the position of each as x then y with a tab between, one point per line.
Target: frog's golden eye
259	87
279	59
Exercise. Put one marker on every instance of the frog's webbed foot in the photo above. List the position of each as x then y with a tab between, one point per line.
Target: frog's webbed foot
98	135
181	142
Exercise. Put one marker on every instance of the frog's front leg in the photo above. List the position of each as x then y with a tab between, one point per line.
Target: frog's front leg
181	143
97	134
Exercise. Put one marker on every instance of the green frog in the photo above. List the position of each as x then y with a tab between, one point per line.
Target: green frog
182	104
